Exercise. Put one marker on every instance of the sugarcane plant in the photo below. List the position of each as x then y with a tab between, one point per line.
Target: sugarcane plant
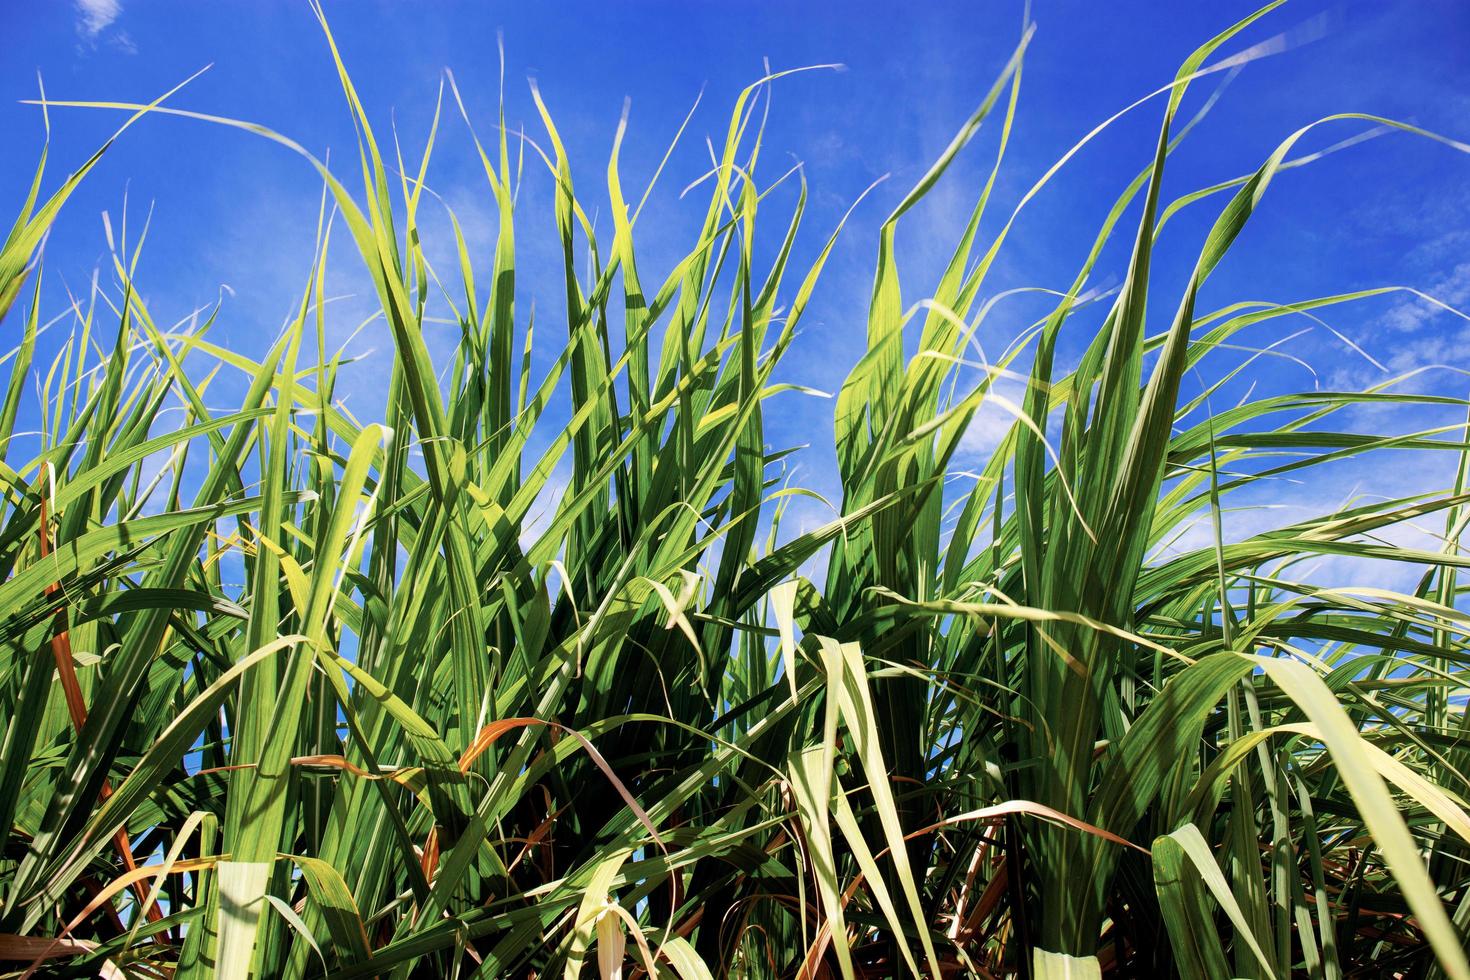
527	678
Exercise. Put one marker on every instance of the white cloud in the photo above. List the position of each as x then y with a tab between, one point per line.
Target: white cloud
995	418
1452	289
94	16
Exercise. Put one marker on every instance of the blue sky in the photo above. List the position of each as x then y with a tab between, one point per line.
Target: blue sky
234	210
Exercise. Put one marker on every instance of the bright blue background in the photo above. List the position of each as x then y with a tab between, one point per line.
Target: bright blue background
229	208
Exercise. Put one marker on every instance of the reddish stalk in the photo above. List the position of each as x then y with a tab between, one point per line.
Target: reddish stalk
76	706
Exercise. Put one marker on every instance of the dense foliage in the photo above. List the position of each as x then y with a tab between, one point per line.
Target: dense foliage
286	694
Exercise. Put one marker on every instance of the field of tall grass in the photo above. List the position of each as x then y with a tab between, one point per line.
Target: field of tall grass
289	693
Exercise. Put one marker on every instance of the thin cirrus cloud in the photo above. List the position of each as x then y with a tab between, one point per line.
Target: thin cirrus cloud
96	16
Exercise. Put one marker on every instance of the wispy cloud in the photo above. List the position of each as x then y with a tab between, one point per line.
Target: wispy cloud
1451	289
94	16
